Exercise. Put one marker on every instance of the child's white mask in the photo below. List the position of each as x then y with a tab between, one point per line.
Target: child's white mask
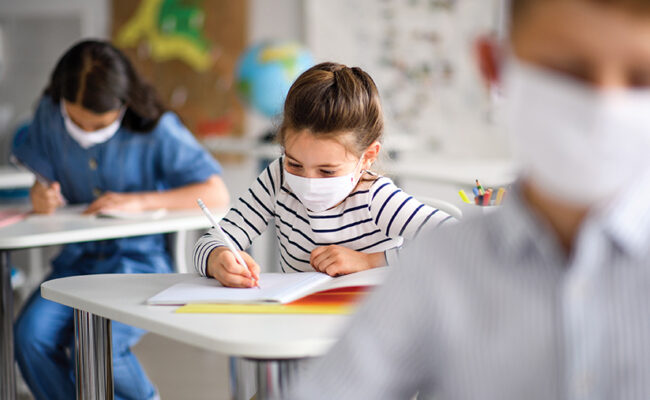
576	143
320	194
87	139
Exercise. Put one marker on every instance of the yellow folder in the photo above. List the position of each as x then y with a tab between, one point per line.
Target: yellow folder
265	309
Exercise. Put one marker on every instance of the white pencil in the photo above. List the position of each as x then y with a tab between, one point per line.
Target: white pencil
224	237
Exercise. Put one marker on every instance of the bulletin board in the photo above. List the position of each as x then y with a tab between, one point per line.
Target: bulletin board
420	54
188	50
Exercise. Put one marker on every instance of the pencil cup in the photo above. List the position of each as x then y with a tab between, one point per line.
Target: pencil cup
473	210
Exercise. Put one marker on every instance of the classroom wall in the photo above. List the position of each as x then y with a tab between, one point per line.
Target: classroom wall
273	19
33	34
421	54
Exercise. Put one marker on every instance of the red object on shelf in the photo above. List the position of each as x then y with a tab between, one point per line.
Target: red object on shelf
214	127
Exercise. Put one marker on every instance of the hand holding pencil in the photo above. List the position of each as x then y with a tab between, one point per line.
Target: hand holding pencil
228	265
224	267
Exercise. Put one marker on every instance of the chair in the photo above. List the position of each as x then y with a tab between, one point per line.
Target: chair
442	205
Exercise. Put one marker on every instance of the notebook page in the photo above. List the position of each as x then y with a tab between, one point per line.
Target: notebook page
370	277
275	287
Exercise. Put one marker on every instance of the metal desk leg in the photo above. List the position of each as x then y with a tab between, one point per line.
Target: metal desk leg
242	378
273	378
93	356
7	371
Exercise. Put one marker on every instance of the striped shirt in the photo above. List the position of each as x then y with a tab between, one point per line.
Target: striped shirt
376	217
493	308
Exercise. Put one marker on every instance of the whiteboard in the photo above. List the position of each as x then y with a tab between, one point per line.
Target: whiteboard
420	54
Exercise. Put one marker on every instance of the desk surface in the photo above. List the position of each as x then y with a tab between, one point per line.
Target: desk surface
14	178
463	172
68	225
122	298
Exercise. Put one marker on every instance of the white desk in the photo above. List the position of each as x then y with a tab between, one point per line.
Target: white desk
69	226
14	178
460	172
274	342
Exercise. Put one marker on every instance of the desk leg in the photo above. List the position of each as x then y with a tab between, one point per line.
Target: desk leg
7	369
93	356
273	378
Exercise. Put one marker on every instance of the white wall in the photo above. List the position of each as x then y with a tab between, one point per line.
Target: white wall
272	19
34	35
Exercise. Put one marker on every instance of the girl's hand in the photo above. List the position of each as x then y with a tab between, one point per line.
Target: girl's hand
132	202
45	200
223	267
338	260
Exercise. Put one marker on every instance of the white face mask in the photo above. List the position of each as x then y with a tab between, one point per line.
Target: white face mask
575	143
320	194
88	139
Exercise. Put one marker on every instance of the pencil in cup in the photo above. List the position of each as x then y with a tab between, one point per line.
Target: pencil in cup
500	194
464	197
225	238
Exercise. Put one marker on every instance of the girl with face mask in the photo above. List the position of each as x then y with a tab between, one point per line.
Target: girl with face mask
103	138
331	213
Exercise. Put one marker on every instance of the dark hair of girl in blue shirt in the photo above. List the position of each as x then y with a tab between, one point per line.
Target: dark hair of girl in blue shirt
100	78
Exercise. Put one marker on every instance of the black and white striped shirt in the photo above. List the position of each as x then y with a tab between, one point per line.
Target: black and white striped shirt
377	216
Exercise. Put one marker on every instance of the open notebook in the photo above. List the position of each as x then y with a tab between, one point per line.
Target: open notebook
276	288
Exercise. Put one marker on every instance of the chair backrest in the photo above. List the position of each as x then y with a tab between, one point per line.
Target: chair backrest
443	205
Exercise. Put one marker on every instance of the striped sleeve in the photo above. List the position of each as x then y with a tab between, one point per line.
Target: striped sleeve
247	220
399	215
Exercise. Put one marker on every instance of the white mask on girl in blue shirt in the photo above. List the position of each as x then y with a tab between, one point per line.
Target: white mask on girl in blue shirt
87	139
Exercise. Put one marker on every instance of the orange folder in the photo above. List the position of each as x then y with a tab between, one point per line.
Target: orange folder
334	301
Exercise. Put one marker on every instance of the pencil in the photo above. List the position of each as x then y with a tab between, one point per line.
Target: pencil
225	238
500	195
464	197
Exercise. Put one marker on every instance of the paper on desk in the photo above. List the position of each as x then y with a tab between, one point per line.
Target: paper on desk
279	288
343	300
370	277
142	215
275	288
9	217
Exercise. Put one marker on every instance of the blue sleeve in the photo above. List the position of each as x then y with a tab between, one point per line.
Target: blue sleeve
181	159
36	150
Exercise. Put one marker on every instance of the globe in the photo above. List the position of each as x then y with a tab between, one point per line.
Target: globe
267	70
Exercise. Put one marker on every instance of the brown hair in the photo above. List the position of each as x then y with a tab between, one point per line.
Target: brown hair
331	99
518	7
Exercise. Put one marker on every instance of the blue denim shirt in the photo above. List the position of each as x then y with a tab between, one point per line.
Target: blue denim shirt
167	157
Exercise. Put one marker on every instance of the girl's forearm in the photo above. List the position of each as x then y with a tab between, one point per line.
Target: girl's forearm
376	260
213	192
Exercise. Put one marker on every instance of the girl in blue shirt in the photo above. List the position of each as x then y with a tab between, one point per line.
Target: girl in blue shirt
103	138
